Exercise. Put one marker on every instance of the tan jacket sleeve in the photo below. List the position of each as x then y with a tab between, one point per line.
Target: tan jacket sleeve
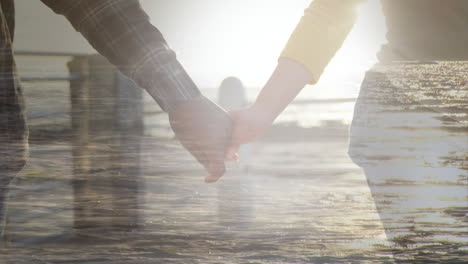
320	33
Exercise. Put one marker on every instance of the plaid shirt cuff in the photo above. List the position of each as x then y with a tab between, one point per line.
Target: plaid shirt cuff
164	78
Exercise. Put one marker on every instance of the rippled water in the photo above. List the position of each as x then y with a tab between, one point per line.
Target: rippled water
108	196
410	134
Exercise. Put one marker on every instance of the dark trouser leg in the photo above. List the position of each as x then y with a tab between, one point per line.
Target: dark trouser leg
7	173
3	194
13	130
13	143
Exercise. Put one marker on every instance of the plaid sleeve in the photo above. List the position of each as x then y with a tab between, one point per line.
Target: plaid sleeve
121	31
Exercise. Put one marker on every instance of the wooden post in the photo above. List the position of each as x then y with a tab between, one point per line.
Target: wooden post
107	122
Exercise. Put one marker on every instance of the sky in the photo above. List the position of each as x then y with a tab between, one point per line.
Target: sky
216	39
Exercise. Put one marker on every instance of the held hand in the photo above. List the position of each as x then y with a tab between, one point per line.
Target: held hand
204	129
249	124
285	83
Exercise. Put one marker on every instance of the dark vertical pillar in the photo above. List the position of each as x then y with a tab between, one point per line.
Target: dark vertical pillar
80	114
107	120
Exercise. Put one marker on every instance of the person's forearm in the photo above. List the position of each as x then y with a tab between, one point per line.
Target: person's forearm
288	79
321	33
121	31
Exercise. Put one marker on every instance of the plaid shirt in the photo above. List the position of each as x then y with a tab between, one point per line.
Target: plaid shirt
121	31
118	29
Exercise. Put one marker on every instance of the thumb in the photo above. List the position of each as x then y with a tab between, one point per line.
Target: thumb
215	154
216	170
235	142
231	152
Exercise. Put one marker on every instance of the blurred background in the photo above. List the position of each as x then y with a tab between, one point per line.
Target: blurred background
217	39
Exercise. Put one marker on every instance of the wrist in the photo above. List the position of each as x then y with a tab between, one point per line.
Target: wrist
169	87
265	113
186	105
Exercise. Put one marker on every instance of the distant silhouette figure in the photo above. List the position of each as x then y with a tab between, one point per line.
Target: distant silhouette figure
232	96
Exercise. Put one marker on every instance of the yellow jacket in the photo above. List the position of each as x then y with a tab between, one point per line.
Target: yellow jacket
324	27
